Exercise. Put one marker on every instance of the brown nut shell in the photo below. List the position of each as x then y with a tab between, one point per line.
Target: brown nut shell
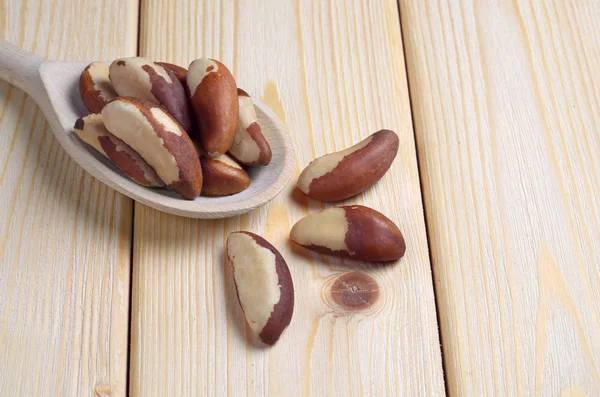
352	231
222	176
340	175
159	139
91	130
249	144
215	103
263	283
140	78
95	87
179	72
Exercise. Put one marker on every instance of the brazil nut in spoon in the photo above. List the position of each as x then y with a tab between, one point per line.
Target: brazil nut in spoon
54	86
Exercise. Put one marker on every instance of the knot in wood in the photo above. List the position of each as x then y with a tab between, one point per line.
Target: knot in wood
354	291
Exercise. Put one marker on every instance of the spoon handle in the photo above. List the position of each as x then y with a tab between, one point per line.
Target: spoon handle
20	68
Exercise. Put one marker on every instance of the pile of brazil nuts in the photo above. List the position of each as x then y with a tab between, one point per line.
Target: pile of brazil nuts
262	279
191	130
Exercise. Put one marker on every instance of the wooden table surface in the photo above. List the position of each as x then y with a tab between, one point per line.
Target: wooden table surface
496	187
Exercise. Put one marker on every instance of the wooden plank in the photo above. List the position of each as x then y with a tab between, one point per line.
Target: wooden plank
333	84
505	101
65	239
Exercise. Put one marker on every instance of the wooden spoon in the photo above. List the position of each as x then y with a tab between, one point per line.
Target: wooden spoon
54	86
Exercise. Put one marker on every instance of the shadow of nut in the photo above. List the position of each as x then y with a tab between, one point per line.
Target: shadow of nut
352	291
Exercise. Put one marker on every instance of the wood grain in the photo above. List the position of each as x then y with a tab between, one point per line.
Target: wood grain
505	98
65	239
333	84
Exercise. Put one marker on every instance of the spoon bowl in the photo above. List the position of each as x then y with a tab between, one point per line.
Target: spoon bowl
54	86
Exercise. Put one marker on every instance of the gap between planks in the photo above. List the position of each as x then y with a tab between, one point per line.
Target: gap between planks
131	251
420	174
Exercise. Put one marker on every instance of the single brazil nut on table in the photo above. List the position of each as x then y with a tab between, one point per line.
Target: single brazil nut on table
263	283
340	175
249	144
140	78
352	231
215	102
222	176
95	87
159	139
91	130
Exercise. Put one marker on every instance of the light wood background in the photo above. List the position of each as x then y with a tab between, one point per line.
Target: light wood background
505	102
506	110
333	84
65	239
